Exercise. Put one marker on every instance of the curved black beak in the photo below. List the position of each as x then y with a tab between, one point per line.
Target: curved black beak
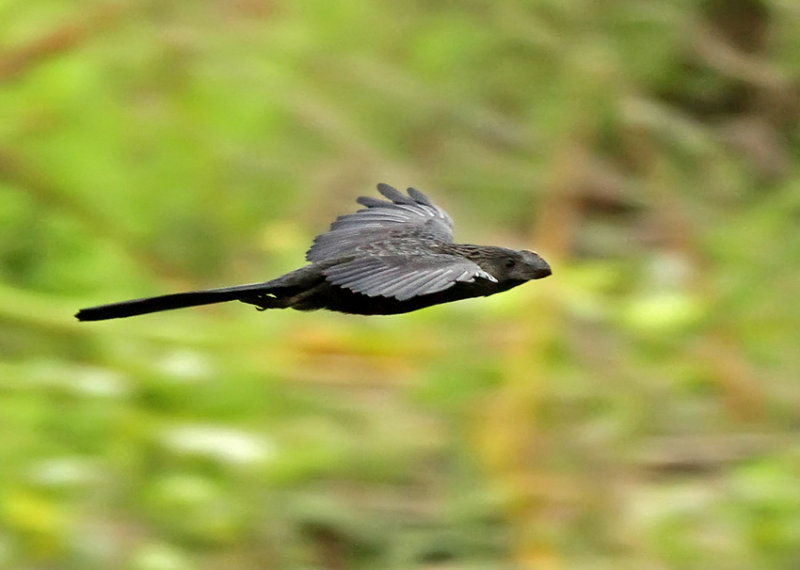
542	269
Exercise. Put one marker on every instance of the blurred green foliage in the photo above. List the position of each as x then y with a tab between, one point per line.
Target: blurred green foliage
638	409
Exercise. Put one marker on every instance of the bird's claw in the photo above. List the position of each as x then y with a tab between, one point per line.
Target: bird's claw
262	302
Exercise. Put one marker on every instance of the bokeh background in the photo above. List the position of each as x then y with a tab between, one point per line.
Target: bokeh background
638	409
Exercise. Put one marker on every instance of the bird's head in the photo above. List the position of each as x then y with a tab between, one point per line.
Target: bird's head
516	265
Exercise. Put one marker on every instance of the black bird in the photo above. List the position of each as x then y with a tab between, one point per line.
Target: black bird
387	258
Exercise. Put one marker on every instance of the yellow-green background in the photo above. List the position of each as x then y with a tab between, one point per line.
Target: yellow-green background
638	409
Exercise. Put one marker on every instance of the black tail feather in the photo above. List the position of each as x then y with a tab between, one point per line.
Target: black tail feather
168	302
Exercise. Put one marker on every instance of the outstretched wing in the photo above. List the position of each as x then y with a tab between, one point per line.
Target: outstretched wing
404	277
405	216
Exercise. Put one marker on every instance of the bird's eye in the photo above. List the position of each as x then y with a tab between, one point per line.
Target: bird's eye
510	263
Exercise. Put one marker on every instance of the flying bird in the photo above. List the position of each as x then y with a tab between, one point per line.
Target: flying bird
389	257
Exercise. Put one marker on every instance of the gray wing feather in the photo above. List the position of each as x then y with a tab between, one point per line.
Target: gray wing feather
420	197
412	214
395	195
404	277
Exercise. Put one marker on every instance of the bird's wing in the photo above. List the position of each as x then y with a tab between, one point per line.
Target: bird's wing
404	277
411	215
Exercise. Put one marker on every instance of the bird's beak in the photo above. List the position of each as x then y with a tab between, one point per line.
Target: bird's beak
542	270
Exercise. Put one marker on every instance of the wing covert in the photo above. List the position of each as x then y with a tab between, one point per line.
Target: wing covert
404	277
412	214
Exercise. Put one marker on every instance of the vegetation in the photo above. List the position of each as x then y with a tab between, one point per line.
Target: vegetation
638	409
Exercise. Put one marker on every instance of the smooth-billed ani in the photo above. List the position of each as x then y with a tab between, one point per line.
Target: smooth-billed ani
390	257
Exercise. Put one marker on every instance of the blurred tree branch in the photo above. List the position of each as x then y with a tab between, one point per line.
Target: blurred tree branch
16	61
16	172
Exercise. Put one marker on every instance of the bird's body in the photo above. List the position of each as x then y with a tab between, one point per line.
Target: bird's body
388	258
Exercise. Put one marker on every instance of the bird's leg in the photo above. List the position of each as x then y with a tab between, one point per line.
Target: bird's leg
286	290
264	301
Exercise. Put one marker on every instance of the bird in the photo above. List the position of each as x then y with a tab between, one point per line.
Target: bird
392	256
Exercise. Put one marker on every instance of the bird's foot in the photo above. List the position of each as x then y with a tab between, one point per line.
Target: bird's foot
264	301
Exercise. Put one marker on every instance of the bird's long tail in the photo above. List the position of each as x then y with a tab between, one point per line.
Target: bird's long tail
173	301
